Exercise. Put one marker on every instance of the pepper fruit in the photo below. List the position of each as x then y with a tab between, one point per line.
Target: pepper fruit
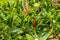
26	10
34	23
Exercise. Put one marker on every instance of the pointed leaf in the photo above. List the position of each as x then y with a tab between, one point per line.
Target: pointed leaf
47	35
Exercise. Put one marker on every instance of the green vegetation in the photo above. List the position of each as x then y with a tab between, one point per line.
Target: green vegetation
15	25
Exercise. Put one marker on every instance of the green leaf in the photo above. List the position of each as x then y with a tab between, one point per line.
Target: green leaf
29	37
37	4
47	35
4	1
58	17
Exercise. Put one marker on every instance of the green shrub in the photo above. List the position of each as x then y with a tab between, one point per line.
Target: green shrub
15	25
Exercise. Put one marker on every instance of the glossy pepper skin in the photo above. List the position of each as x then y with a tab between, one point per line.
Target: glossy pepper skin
34	23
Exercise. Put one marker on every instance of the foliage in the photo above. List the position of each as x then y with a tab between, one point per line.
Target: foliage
15	25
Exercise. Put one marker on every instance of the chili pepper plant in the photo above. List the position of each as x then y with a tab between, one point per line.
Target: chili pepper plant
29	19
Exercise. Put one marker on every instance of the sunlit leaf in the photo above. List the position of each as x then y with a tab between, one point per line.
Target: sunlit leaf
29	37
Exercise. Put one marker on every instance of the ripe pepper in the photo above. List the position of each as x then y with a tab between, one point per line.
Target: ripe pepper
34	23
26	11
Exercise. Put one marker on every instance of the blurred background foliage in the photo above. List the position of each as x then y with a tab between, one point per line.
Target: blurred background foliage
15	25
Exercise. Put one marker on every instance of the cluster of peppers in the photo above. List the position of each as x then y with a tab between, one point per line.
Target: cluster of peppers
27	11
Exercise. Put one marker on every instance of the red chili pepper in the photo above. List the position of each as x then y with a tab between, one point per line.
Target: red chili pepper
26	11
34	23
